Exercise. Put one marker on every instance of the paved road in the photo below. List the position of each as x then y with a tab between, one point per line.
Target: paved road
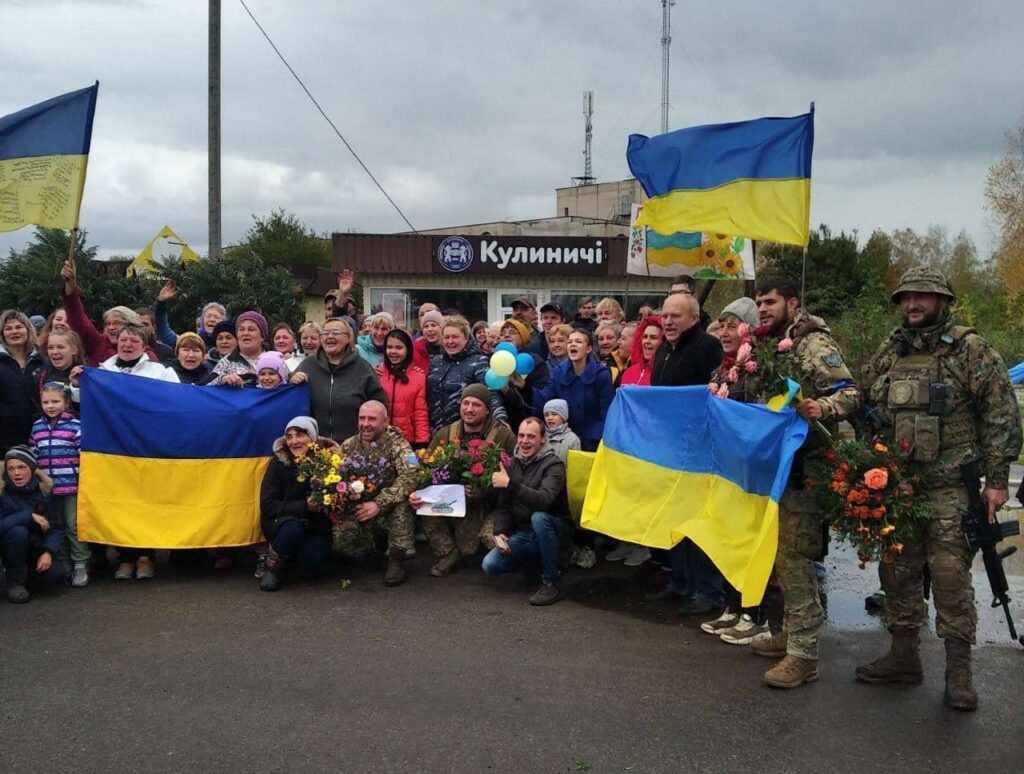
198	672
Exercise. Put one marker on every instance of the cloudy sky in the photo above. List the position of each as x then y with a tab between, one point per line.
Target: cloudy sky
471	111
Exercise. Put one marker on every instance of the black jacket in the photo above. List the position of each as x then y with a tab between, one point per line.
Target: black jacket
19	397
283	497
519	400
201	375
337	391
689	363
537	484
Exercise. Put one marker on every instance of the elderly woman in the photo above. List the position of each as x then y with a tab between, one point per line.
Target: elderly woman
283	341
20	365
225	341
239	368
610	309
340	381
428	345
190	362
458	366
293	522
211	314
309	338
371	345
607	335
518	393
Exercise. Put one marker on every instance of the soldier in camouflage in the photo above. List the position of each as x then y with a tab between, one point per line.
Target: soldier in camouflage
944	396
831	396
376	436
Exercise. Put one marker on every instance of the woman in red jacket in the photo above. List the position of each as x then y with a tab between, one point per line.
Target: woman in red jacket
406	388
646	340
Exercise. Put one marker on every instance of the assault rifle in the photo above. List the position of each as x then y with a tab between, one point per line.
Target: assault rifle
984	535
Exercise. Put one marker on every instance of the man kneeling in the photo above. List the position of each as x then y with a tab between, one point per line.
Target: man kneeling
531	521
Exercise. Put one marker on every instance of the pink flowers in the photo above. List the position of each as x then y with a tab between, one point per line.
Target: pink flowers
733	374
476	469
743	330
750	366
743	353
785	345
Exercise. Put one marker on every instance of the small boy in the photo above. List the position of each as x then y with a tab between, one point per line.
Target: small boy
560	436
270	371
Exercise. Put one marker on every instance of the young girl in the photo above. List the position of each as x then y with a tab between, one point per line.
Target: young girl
56	440
270	371
560	437
406	387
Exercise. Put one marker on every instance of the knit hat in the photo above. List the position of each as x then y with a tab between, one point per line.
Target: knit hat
272	360
254	317
557	406
128	315
478	391
224	326
24	454
307	425
745	309
433	316
37	320
188	337
524	332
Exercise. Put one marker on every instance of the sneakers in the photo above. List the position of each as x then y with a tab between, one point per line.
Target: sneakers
547	594
144	569
80	576
584	558
792	672
261	563
771	647
637	556
124	571
744	632
18	594
269	580
620	552
723	622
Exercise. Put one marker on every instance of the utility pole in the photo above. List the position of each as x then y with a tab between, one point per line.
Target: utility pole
666	42
213	130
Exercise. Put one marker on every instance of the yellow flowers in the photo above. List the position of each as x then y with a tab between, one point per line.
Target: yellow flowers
888	529
331	478
336	460
327	499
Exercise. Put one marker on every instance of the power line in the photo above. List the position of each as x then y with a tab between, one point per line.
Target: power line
326	117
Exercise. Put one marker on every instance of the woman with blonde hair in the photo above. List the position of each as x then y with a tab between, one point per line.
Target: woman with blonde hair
610	309
460	364
20	364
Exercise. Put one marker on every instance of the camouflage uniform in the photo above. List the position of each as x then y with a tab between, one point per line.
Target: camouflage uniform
351	539
801	539
446	534
979	419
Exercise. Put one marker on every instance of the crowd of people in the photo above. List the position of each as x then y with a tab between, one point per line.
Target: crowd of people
377	387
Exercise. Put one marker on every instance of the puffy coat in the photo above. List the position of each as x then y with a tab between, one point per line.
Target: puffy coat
537	484
589	395
408	403
146	367
283	497
423	352
448	376
19	397
17	504
337	391
368	350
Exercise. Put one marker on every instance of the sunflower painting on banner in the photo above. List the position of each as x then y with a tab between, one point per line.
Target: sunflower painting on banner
703	256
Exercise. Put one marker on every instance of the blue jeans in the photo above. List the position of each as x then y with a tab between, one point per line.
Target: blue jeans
694	575
307	550
545	540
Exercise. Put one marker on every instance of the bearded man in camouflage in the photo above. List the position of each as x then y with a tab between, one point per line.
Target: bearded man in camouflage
944	396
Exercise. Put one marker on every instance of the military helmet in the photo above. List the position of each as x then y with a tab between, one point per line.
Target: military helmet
922	279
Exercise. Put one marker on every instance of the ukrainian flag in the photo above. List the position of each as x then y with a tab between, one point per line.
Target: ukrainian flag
677	462
168	465
751	178
44	150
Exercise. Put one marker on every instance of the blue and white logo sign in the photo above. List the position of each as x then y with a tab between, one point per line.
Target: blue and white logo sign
455	254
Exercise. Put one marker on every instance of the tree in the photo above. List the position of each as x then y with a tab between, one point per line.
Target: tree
283	238
1004	199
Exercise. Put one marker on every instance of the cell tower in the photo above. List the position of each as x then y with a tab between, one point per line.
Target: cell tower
666	42
588	135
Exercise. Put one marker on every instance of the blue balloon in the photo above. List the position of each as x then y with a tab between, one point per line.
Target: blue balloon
494	381
506	346
524	363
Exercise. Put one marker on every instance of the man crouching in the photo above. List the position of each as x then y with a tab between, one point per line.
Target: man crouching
531	520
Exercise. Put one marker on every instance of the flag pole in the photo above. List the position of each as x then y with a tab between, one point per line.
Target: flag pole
803	272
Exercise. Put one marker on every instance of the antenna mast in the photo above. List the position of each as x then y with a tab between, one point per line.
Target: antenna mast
588	135
666	42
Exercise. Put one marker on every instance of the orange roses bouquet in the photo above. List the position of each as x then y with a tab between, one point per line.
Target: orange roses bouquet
871	497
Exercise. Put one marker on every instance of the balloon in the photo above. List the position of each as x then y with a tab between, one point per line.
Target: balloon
524	363
507	346
503	363
494	381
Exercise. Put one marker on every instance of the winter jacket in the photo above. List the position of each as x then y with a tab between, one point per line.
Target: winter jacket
368	350
519	400
538	344
639	372
408	403
199	376
423	352
238	364
448	376
562	439
589	395
337	391
57	444
17	504
687	363
589	325
97	346
19	397
536	484
283	497
144	367
168	336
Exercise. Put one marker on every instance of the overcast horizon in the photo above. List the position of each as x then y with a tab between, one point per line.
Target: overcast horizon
470	112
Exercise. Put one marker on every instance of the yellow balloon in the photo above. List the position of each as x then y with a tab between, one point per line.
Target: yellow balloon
503	363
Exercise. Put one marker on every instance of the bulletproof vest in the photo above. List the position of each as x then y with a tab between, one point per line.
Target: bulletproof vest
930	406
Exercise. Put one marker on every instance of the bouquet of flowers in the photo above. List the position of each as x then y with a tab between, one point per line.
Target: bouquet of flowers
449	463
485	458
319	466
764	363
442	465
871	497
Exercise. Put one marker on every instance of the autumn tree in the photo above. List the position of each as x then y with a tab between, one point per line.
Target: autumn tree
1004	199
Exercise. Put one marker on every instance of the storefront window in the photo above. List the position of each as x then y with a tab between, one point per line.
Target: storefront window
569	300
403	304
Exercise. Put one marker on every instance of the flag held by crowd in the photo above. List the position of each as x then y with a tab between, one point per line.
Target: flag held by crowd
751	178
44	150
168	465
677	462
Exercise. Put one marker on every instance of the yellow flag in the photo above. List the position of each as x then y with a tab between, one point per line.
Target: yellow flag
144	260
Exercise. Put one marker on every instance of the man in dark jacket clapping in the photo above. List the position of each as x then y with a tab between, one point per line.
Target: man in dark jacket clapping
531	521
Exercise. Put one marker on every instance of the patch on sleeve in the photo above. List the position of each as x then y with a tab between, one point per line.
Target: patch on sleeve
832	359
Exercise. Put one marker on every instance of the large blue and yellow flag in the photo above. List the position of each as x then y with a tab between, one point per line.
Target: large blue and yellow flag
44	150
175	465
677	462
751	178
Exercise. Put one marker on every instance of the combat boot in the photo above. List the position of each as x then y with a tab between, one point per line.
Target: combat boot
959	687
902	664
771	647
446	563
792	672
394	574
270	580
17	594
